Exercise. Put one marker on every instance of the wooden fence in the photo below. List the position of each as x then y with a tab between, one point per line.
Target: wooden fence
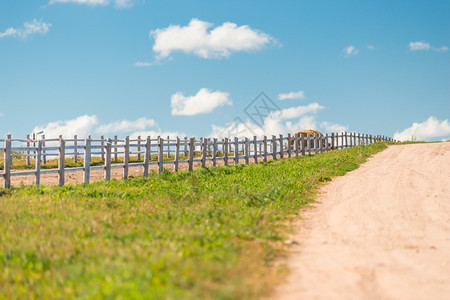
159	151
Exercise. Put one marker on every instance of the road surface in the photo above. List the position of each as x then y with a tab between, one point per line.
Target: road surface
379	232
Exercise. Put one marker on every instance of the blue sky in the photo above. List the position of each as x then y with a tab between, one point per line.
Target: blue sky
142	67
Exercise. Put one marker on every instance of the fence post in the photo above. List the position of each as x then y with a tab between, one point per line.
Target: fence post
265	148
289	146
281	146
302	143
236	151
185	146
38	163
191	153
160	155
214	154
115	148
107	174
327	145
308	139
296	141
147	156
44	156
354	139
139	149
126	157
177	155
351	140
274	147
204	142
225	151
75	150
102	149
255	149
87	160
7	162
246	150
61	160
332	141
28	151
316	138
346	140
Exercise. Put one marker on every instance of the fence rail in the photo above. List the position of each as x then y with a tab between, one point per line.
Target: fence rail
159	151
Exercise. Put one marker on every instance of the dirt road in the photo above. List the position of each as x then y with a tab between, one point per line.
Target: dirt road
380	232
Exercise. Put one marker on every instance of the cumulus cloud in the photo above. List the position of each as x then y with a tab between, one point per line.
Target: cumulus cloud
123	3
283	121
295	112
350	50
419	46
292	95
29	28
143	64
126	126
156	133
203	102
441	49
86	125
119	4
424	46
430	129
81	126
87	2
330	127
199	39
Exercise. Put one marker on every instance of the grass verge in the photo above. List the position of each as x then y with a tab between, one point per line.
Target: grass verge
210	233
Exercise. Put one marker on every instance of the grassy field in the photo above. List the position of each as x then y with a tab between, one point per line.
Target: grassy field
210	233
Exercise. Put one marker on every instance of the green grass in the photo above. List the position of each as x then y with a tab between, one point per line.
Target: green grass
210	233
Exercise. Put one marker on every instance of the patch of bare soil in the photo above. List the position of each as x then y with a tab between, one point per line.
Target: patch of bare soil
379	232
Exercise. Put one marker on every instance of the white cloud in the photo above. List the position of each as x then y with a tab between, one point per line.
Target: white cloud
419	46
123	3
197	38
119	4
155	133
429	129
126	126
295	112
28	29
441	49
370	47
81	126
86	125
423	46
329	127
285	121
1	114
292	95
350	50
87	2
203	102
143	64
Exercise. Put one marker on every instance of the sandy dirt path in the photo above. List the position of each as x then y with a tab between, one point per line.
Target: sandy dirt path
379	232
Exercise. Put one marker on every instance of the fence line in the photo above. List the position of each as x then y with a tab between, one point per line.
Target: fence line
165	151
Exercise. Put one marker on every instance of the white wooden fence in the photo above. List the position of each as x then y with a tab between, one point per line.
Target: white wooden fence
165	151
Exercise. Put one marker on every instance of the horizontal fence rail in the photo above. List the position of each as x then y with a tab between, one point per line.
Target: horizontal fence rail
116	153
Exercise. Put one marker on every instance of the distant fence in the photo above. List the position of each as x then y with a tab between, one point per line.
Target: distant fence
159	151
